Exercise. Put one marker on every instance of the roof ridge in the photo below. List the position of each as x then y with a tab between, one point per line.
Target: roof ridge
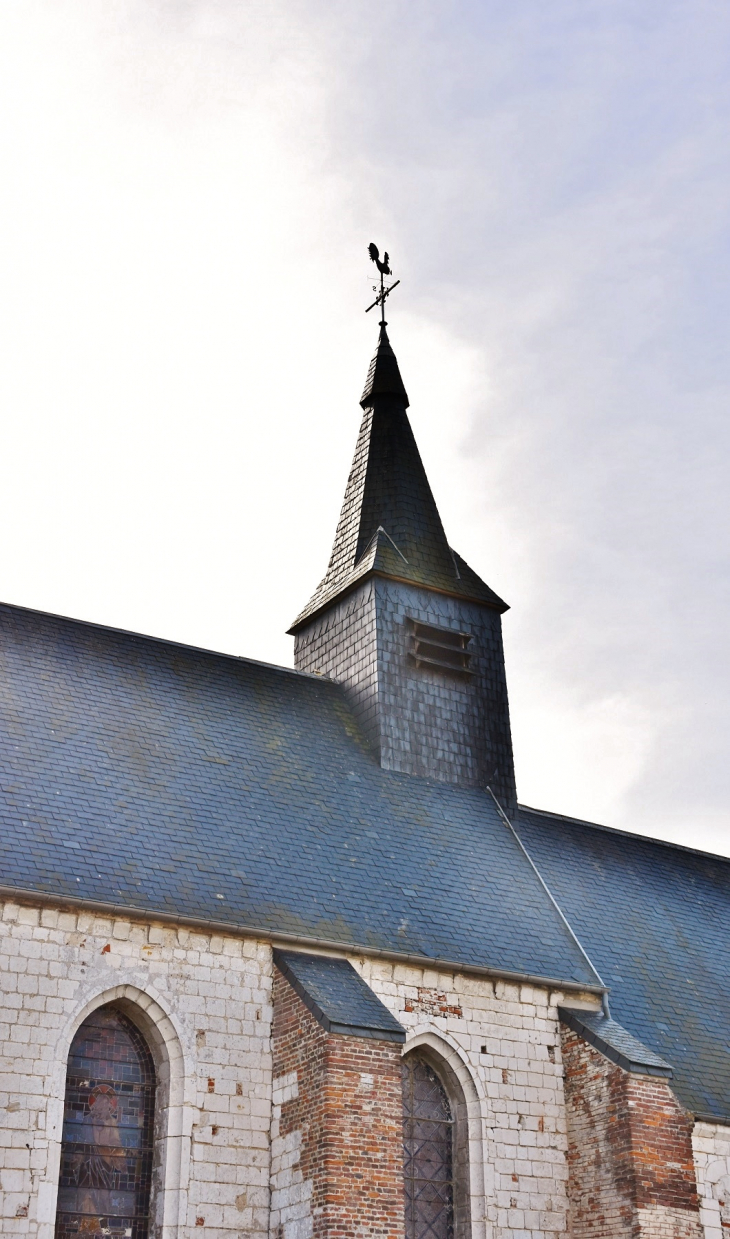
627	834
178	645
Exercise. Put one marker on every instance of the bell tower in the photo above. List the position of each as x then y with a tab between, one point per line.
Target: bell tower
400	620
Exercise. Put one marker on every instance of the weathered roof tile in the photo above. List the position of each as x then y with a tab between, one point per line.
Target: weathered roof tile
338	997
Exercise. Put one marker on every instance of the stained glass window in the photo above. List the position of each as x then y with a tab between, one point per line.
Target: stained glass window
106	1156
428	1152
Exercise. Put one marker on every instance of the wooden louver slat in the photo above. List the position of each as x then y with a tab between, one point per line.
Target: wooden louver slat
432	646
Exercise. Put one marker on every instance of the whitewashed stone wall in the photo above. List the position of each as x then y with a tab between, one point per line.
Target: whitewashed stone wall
204	1003
291	1194
711	1145
502	1041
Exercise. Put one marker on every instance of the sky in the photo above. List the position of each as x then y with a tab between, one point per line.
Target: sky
188	191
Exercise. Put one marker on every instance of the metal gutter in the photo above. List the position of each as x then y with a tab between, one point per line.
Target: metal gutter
77	902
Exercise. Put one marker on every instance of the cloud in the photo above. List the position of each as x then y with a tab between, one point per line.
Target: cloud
189	192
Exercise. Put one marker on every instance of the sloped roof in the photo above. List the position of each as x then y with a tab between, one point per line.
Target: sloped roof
389	521
655	920
140	773
338	997
384	377
615	1041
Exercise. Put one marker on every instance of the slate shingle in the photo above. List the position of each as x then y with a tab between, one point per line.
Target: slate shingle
613	1040
389	521
214	766
338	997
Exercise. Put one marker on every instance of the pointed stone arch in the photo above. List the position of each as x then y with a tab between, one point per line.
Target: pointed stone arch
468	1103
172	1110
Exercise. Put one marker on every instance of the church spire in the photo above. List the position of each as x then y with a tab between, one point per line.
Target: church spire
400	621
383	375
389	524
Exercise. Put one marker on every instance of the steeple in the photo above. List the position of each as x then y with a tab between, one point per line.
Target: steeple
389	523
383	375
401	620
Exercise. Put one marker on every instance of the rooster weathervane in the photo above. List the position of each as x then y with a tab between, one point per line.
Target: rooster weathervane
383	266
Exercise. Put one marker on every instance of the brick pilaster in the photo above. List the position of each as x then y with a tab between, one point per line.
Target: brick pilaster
337	1142
631	1166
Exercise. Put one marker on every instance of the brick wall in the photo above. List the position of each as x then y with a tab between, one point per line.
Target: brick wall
629	1153
420	721
337	1151
204	1003
711	1144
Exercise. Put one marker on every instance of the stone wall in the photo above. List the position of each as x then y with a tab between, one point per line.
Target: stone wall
204	1004
336	1150
711	1143
630	1152
419	720
502	1043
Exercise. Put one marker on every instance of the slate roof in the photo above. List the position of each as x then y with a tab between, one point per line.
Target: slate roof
144	774
384	377
613	1040
338	997
389	521
655	921
147	775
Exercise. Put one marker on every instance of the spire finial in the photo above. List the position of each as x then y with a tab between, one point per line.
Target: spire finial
384	269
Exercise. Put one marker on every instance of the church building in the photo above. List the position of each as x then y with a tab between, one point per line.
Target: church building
283	956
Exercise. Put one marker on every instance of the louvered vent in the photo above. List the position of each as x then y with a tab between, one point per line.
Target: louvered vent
440	647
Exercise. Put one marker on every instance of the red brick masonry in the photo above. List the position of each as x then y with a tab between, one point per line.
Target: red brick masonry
349	1113
631	1169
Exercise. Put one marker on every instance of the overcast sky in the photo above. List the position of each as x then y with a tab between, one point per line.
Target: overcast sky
187	193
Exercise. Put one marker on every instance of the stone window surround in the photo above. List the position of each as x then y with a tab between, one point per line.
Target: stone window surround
711	1142
467	1108
172	1107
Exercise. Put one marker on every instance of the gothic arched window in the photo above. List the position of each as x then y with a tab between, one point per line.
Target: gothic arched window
428	1144
106	1155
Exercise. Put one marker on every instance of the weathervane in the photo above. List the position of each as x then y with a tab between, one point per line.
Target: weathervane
384	269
